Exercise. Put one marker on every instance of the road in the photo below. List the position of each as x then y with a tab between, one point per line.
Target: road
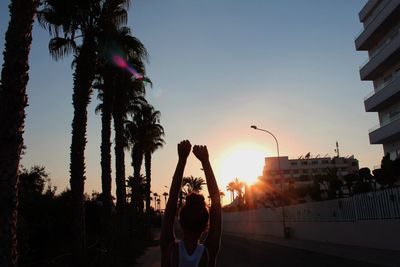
238	251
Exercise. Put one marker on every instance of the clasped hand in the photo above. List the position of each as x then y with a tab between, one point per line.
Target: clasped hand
200	152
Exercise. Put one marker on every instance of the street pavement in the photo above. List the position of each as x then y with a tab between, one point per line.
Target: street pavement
240	251
267	251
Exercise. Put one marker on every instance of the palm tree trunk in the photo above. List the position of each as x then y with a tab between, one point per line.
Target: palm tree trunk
137	160
105	148
120	166
83	78
147	163
13	100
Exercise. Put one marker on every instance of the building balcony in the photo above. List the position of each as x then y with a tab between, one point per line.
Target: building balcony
365	12
385	58
383	96
385	132
378	25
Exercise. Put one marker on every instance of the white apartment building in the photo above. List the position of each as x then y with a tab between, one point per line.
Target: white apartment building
381	39
301	171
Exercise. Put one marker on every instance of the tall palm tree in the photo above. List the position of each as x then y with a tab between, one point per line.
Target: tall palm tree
126	93
66	22
129	94
231	188
221	195
155	200
146	135
152	140
13	100
137	188
237	186
67	17
110	86
165	194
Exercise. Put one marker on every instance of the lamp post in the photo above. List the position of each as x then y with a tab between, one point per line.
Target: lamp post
285	230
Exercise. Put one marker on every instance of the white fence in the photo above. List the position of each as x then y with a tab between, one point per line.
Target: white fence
378	205
369	220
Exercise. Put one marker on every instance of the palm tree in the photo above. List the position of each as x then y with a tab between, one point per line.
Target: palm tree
221	195
155	200
68	16
127	97
145	135
165	194
130	134
66	22
238	187
192	184
152	140
136	188
13	100
159	202
112	87
231	188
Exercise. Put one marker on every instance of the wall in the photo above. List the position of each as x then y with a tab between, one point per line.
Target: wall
367	220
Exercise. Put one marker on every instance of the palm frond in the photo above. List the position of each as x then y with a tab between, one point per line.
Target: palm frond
60	47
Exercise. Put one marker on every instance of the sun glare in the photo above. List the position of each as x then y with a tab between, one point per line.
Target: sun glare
244	162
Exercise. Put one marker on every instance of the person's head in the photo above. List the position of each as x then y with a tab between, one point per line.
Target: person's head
194	215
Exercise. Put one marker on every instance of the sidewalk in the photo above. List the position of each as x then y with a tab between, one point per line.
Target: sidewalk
370	255
152	256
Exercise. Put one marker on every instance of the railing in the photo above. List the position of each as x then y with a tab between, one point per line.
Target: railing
382	46
395	77
374	14
392	119
376	205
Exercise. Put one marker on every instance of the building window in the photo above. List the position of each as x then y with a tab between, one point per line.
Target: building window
293	163
314	162
304	163
325	162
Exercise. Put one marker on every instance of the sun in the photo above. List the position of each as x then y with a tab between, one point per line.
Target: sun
245	161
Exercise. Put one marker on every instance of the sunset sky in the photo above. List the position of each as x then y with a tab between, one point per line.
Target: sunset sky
218	67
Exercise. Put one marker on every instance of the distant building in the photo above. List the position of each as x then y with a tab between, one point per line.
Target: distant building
300	172
381	38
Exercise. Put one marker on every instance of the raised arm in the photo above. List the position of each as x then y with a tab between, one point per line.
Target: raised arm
167	228
214	234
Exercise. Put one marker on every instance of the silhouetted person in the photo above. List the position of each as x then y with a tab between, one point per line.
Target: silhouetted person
194	217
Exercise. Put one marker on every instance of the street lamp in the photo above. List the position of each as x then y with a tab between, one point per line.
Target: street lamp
285	230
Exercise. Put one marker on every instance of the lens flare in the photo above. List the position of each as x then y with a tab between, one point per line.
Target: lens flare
121	63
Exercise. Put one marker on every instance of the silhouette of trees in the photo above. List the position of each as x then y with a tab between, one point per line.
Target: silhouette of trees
144	136
230	188
389	172
221	195
238	187
128	97
113	36
13	100
99	26
192	185
92	31
64	20
165	194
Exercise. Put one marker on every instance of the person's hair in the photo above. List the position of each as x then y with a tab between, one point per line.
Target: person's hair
194	214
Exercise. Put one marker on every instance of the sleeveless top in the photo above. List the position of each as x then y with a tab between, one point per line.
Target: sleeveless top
186	260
